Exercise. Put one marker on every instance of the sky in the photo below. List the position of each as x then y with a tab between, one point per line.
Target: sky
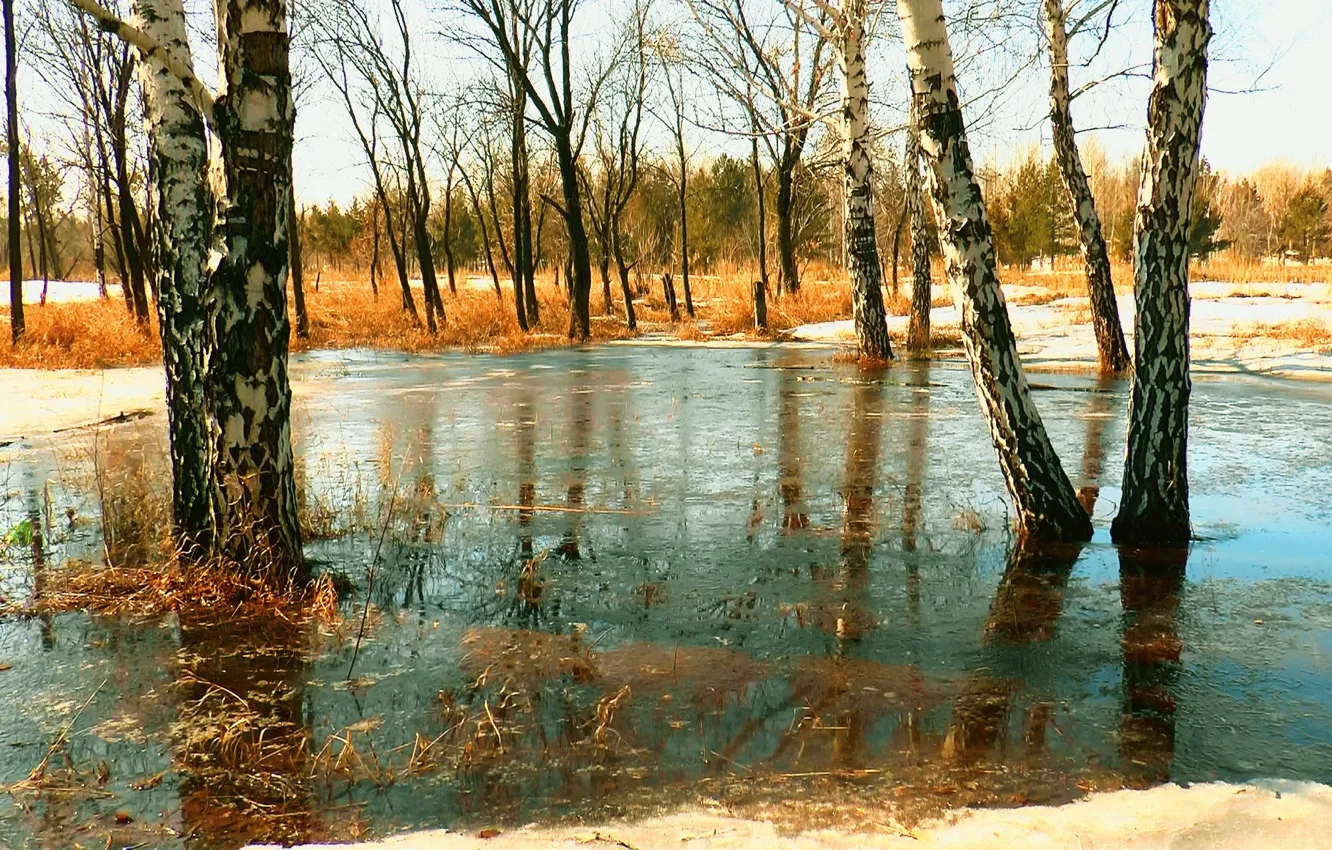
1271	61
1270	68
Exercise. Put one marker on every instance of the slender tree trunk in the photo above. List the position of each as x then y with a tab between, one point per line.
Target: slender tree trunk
684	231
39	216
130	227
399	252
918	333
450	262
580	317
178	147
630	318
603	265
1110	345
517	270
16	324
533	307
862	247
762	210
524	283
425	258
248	333
374	252
1043	498
1154	507
297	269
789	273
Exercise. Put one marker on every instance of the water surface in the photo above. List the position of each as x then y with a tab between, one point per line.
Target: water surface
626	577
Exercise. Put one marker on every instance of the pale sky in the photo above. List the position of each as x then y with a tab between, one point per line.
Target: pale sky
1256	114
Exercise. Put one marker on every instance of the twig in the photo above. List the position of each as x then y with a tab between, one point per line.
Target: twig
40	770
370	580
545	509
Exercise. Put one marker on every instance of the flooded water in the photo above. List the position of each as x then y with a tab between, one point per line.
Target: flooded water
610	580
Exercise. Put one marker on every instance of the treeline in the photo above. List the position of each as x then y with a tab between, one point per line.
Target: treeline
1279	213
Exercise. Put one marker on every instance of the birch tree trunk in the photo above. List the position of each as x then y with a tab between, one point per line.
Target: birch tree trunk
1154	507
918	331
254	500
862	248
178	147
1043	498
1110	345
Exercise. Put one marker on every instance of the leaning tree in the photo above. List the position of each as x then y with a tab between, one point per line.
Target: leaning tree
1045	503
1110	345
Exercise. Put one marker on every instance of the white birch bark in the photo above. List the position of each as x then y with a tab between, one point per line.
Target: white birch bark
862	251
248	330
1043	497
178	146
1154	507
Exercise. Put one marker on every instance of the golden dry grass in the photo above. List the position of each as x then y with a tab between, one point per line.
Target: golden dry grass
1307	334
81	335
345	313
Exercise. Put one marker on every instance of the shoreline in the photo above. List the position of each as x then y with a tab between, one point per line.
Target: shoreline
58	400
1250	816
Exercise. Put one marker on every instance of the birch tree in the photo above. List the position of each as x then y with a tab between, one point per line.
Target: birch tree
245	331
249	396
178	147
1043	498
1154	507
1110	346
848	34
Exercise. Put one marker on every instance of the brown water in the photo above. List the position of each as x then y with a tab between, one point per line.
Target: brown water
623	578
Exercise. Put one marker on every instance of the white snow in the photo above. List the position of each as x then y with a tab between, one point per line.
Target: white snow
1058	335
1266	815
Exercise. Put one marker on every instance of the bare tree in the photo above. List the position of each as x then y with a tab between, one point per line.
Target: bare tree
1110	345
775	69
1155	504
1045	503
670	55
16	325
548	81
334	60
390	79
618	144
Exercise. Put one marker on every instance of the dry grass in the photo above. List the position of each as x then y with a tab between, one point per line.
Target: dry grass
345	314
83	335
1312	335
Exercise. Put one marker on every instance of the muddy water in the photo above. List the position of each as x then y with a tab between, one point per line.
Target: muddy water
610	580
